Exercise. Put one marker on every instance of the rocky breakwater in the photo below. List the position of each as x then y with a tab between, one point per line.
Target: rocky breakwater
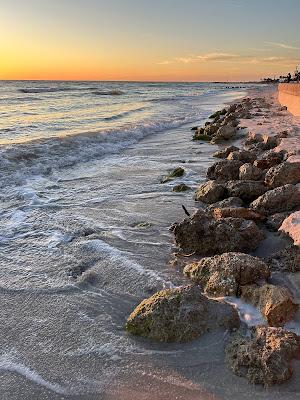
249	191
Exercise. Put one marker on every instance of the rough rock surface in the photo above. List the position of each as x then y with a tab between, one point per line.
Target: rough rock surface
283	173
237	212
242	155
287	259
204	235
210	192
265	356
276	303
274	221
229	202
291	226
248	172
180	315
224	170
246	190
280	199
223	275
225	152
225	132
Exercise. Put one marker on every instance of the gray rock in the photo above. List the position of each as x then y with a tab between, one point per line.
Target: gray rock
246	190
210	192
242	155
287	259
224	153
229	202
280	199
283	173
248	172
224	170
204	235
224	275
264	357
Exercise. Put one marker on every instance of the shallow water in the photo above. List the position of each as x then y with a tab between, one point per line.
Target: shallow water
84	237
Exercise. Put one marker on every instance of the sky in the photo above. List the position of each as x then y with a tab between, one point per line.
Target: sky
148	40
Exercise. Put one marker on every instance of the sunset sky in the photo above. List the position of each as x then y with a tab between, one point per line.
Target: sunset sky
164	40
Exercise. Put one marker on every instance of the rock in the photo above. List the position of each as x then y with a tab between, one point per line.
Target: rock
229	202
225	152
242	155
218	113
270	142
237	212
287	259
223	275
181	188
275	302
177	172
264	357
210	192
246	190
195	128
268	160
283	173
225	132
254	138
201	136
291	226
280	199
204	235
275	221
224	170
180	315
211	129
249	172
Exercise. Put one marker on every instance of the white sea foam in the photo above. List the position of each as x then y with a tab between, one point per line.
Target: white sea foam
8	363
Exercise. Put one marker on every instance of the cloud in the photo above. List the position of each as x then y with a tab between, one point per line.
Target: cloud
217	57
185	60
283	45
165	62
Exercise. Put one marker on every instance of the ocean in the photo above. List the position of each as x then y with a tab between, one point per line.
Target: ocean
85	236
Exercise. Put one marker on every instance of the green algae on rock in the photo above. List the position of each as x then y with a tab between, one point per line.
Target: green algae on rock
175	173
180	315
182	187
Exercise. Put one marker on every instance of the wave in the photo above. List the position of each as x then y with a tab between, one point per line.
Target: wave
8	364
46	156
124	114
114	92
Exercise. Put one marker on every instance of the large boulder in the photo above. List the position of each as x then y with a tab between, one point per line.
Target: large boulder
223	275
287	259
245	190
204	235
180	315
276	303
283	173
237	212
248	172
224	170
224	153
280	199
210	192
264	357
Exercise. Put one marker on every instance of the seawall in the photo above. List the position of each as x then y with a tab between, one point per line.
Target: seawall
289	96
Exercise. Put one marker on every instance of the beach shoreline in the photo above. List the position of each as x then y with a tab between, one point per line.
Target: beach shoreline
270	124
